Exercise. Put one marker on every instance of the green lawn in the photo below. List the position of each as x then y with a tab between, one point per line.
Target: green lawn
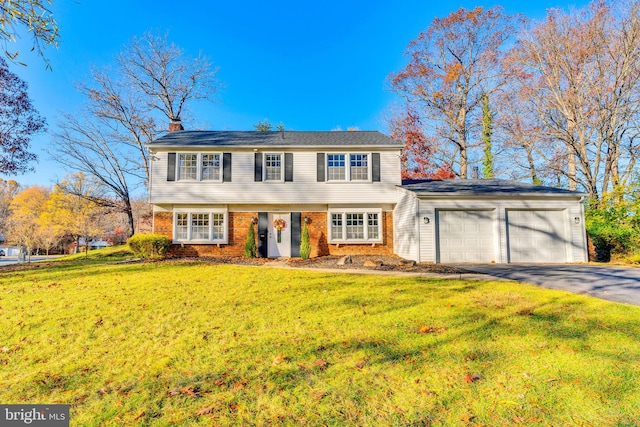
192	343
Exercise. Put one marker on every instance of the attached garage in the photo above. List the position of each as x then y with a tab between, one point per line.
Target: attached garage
536	235
485	221
465	235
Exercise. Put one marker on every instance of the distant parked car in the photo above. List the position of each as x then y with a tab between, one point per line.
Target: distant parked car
2	252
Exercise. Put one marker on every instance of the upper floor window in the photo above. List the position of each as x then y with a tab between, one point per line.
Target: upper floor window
188	166
210	167
348	167
273	167
359	167
199	167
336	169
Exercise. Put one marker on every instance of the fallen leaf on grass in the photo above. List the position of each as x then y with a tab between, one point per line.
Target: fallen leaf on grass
280	358
430	329
190	391
204	411
471	378
140	416
321	363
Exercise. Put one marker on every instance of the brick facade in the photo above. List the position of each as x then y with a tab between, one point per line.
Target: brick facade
320	241
237	236
239	226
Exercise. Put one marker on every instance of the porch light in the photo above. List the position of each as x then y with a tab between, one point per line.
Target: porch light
306	220
426	220
254	220
576	219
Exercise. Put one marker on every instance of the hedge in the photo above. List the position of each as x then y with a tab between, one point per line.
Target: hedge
149	245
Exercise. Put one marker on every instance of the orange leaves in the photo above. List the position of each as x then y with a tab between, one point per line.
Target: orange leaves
453	72
471	378
431	329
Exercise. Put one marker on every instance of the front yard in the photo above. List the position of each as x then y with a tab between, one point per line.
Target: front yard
182	342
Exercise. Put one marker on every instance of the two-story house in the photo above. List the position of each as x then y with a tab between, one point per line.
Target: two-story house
207	187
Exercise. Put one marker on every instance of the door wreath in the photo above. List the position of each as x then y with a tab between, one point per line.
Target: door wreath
279	224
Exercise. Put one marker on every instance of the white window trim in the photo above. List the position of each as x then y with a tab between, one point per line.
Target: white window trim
264	166
199	167
220	175
344	213
178	167
347	172
225	238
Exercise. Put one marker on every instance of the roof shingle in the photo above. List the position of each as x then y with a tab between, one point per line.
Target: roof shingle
479	187
274	139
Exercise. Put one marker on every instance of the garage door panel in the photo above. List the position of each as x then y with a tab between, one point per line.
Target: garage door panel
465	236
536	236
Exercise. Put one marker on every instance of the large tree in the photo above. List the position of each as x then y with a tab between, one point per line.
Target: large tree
26	207
452	65
19	121
152	82
580	73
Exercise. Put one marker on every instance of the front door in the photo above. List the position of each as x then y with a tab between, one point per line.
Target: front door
279	235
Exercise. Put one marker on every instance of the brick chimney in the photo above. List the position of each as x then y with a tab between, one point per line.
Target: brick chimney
175	124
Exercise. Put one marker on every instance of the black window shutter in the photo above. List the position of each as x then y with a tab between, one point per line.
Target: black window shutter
320	166
288	167
263	229
295	233
226	167
257	174
375	167
171	167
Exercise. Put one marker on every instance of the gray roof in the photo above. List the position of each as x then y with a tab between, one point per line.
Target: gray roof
197	138
483	187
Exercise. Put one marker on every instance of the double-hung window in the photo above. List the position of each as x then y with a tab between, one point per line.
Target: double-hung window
199	167
201	226
348	167
273	167
188	167
358	226
210	167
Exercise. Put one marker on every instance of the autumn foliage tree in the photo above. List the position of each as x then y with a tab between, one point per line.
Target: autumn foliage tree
452	65
19	121
26	208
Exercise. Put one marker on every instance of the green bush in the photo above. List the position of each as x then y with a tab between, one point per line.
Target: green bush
250	248
149	245
305	244
613	225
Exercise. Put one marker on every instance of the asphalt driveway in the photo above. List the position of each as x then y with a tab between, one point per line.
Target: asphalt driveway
620	284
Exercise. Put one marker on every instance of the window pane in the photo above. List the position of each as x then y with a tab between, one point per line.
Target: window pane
211	167
336	170
182	226
336	226
373	228
273	167
218	226
359	167
188	166
355	226
199	226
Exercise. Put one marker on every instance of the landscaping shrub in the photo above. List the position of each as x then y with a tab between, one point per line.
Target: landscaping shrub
250	248
149	245
305	244
613	225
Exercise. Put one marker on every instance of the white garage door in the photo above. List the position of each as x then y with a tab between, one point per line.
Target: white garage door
465	236
536	236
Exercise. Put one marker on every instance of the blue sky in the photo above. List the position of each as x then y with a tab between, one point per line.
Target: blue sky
310	65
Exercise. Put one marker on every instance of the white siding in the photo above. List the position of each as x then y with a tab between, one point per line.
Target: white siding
405	232
427	232
304	188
